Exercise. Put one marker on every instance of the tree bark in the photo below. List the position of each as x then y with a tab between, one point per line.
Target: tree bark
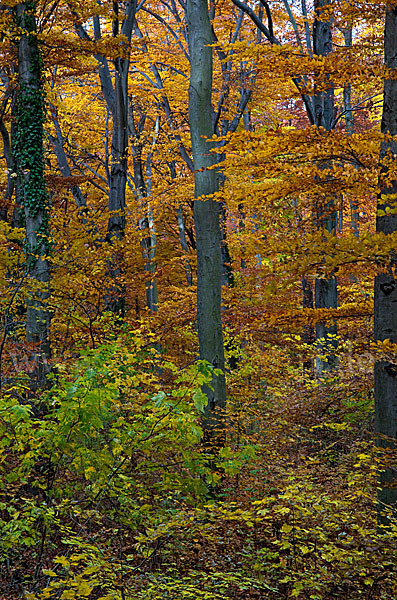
325	292
206	214
118	169
119	151
10	167
349	121
29	157
143	191
117	104
385	283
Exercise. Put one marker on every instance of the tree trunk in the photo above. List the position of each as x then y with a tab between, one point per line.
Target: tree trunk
385	284
184	246
149	244
349	120
119	152
143	192
325	293
182	233
63	164
29	157
10	169
206	213
118	169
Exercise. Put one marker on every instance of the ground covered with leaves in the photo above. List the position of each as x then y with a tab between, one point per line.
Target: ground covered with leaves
108	492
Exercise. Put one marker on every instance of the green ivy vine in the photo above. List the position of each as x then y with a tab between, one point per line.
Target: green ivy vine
28	142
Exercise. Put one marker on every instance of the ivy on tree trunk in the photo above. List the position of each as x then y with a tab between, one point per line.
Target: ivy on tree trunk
29	158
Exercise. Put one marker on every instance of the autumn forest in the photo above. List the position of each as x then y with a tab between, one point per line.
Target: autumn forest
198	299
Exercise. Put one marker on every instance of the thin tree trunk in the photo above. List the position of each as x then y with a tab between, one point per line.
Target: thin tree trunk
10	167
29	157
182	233
63	164
150	241
118	168
308	334
385	284
143	191
206	214
349	121
184	246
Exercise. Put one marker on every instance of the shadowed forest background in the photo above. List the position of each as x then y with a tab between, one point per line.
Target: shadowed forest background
198	300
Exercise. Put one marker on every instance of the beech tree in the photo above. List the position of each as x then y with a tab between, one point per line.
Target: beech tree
206	210
104	493
385	283
320	111
29	158
325	294
117	101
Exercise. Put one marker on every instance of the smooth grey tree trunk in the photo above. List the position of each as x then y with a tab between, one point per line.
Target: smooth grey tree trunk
349	121
386	284
206	214
29	157
150	241
143	191
325	292
118	168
